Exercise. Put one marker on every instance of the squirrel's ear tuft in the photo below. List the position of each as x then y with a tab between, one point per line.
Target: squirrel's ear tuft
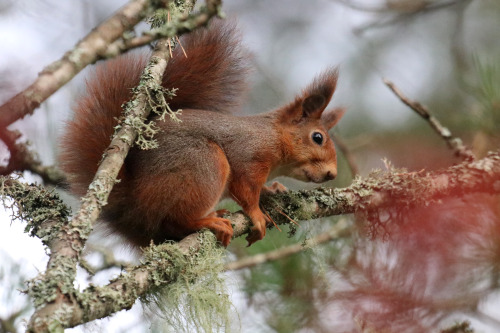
314	99
318	94
331	117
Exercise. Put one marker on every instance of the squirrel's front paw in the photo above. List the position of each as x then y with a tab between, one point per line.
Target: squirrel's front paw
274	188
256	233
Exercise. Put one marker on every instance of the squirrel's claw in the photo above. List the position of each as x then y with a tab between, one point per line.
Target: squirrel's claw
254	235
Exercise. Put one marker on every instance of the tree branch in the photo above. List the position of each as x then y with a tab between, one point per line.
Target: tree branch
375	192
97	45
63	309
67	247
178	26
107	257
453	143
86	52
379	191
54	76
340	230
22	158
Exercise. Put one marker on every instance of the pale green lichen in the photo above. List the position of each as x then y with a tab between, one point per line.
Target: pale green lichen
44	289
289	207
184	287
60	319
36	205
76	56
154	97
169	21
114	300
175	9
195	298
56	322
99	188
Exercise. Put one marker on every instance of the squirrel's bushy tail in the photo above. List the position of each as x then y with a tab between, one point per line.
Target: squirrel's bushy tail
211	77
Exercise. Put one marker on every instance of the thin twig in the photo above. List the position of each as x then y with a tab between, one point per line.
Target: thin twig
453	143
340	230
362	7
172	29
22	158
288	217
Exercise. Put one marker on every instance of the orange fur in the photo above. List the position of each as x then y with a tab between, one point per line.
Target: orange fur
170	192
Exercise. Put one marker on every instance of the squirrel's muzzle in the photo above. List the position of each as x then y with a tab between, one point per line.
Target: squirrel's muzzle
330	174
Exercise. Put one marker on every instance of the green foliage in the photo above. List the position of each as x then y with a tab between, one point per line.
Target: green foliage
196	301
292	292
488	94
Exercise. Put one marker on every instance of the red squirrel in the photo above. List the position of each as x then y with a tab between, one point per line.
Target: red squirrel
171	191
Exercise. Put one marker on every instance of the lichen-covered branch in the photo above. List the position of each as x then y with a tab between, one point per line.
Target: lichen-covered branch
86	52
42	209
58	309
97	45
61	308
54	76
453	143
178	25
158	269
389	189
380	190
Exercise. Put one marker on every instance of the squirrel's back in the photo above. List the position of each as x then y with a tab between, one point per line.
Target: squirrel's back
211	76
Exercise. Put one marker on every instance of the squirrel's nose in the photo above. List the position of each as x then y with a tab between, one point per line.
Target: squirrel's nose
331	174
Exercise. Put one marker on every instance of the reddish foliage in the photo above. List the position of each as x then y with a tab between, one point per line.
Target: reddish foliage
437	260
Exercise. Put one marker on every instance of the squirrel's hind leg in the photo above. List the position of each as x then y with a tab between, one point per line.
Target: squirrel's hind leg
221	227
193	203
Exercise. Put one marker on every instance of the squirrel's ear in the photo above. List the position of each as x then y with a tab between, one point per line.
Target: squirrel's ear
313	106
318	94
314	99
331	117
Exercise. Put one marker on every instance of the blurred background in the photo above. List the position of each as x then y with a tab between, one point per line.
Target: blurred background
443	53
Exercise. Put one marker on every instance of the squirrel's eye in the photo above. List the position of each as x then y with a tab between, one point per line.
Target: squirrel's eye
317	137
